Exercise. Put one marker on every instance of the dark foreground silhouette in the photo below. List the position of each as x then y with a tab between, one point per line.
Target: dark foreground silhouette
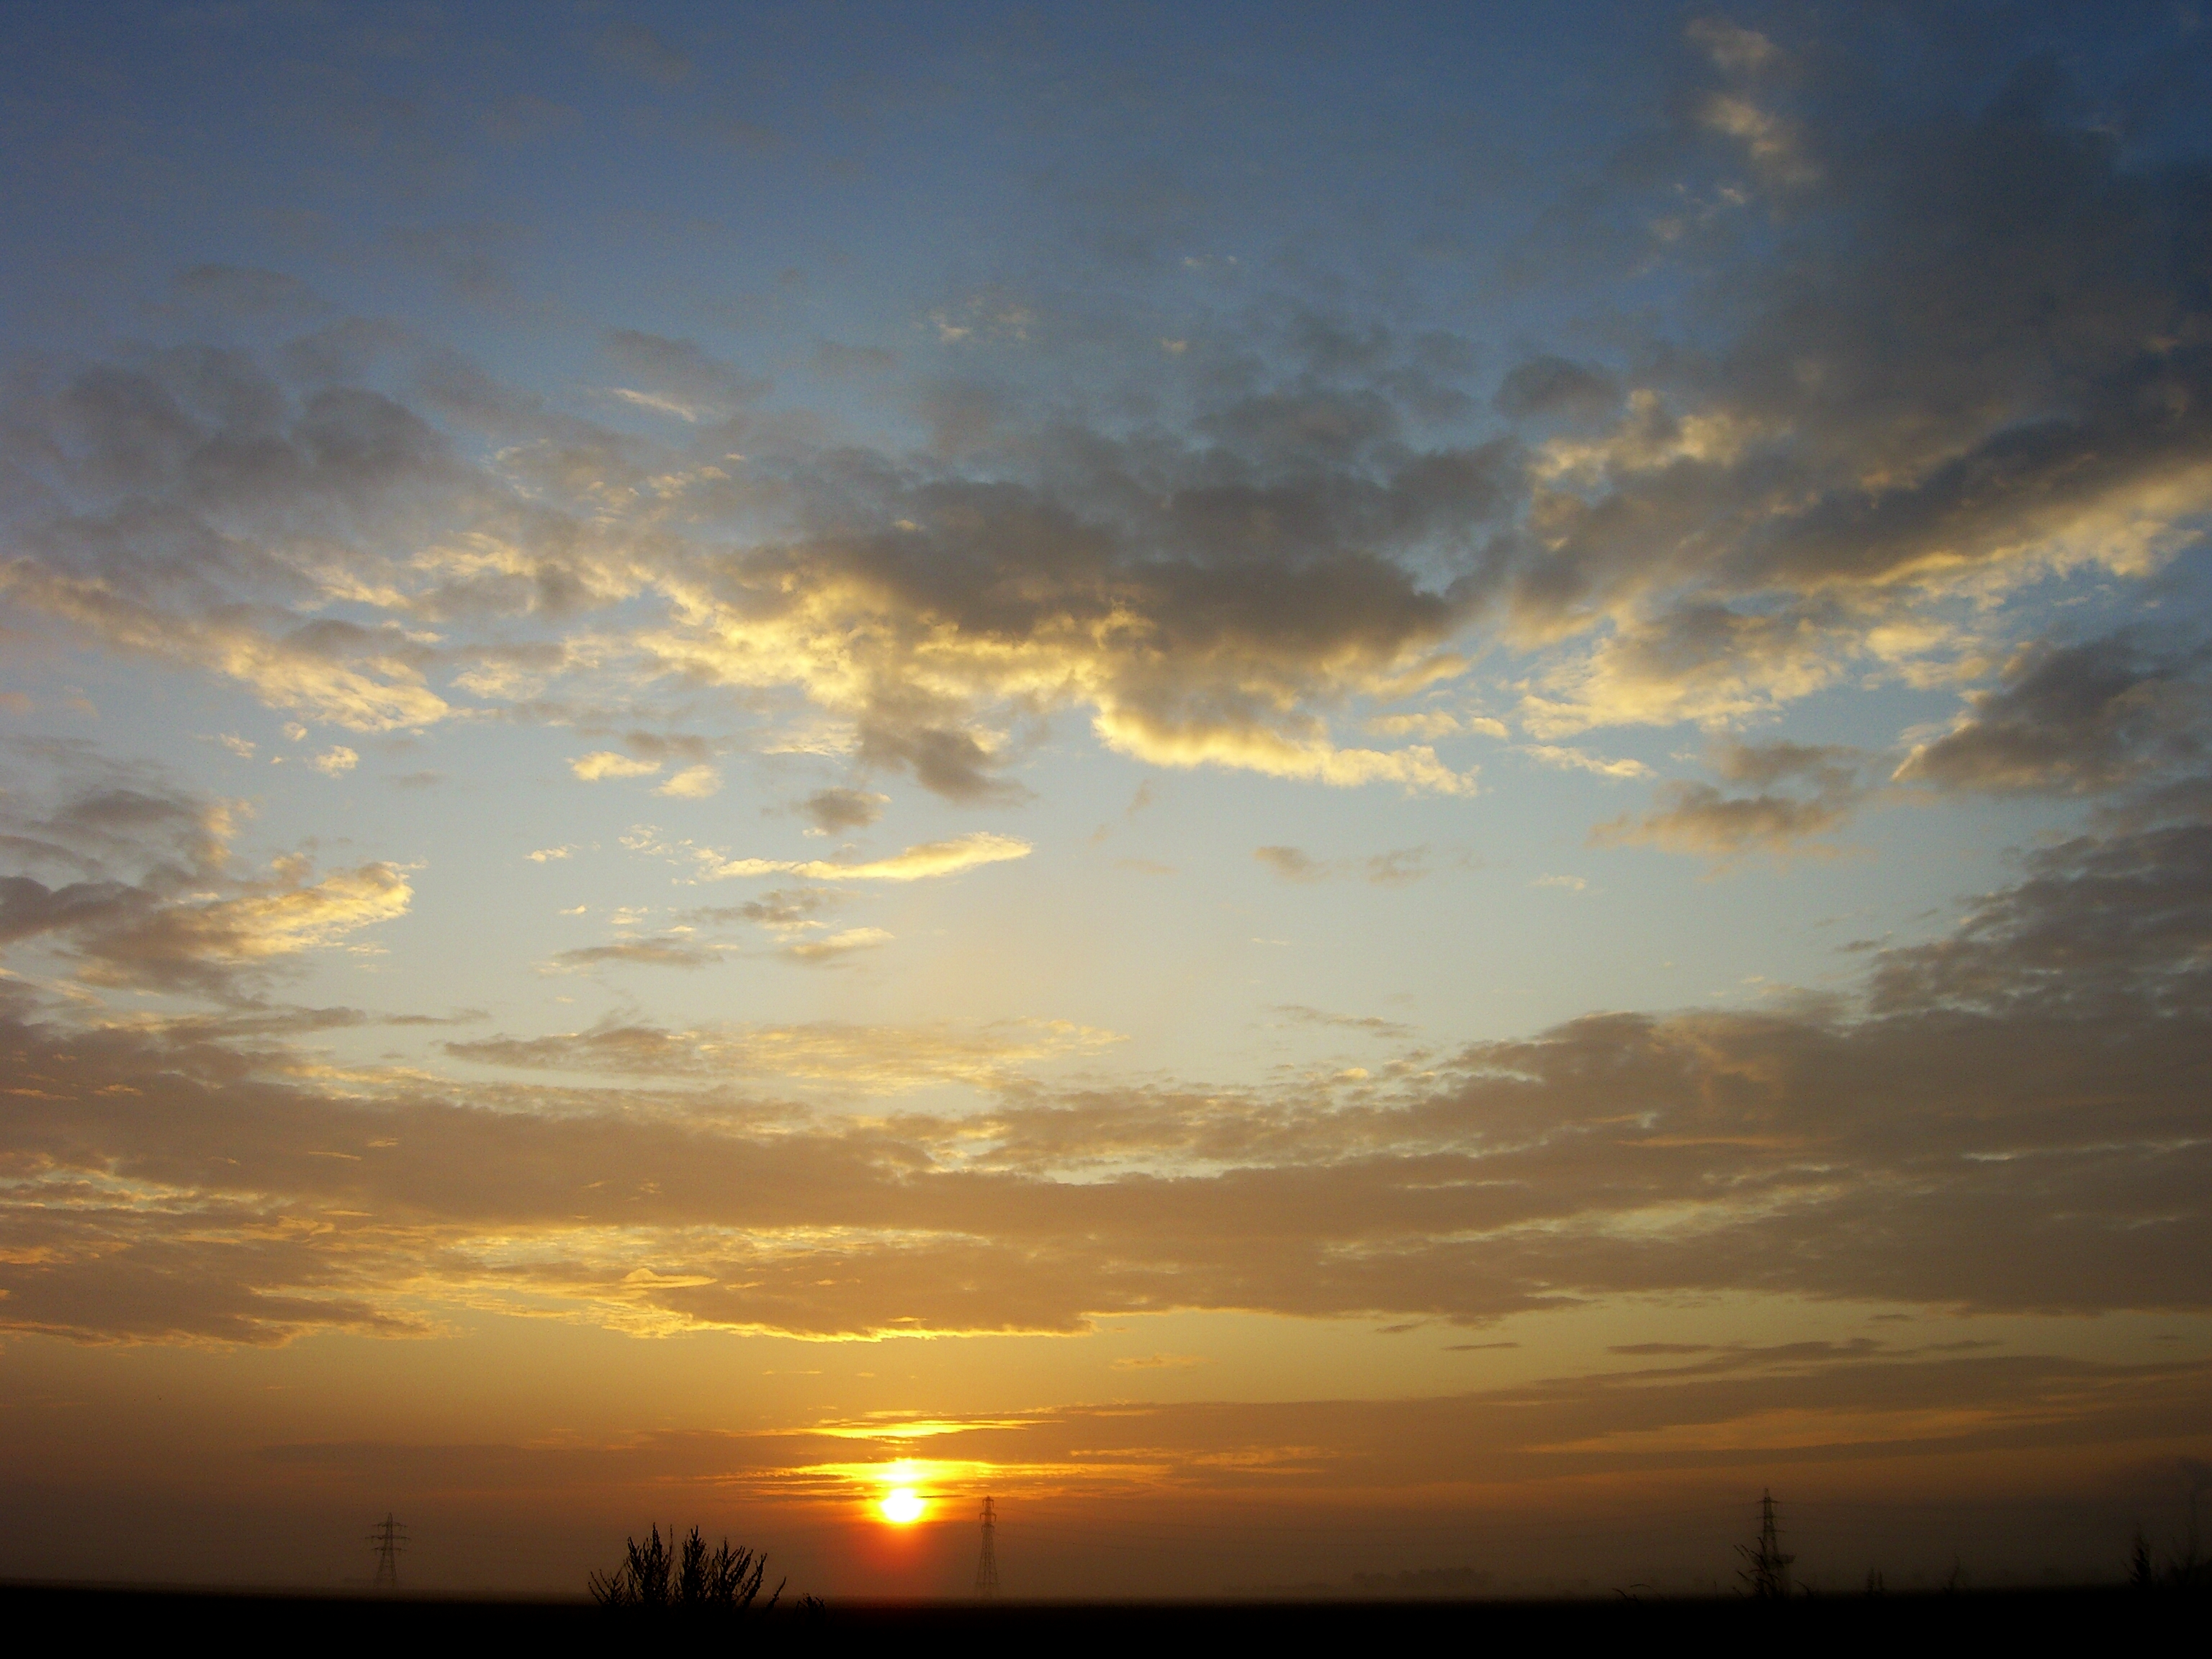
2102	1617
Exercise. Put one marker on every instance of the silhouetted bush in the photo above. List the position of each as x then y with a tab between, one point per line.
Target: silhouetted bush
690	1578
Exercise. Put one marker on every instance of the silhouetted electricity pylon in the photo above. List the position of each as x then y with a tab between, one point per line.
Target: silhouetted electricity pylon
987	1564
387	1541
1765	1567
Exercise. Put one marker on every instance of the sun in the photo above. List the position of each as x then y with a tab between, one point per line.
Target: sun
902	1507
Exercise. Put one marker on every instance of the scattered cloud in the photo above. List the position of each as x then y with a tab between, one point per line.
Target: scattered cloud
1369	1023
833	812
664	952
692	783
1575	759
1392	869
607	763
1291	863
916	863
834	946
1699	819
2073	720
1763	1155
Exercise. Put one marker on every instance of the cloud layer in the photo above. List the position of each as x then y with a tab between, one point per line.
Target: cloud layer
2053	1050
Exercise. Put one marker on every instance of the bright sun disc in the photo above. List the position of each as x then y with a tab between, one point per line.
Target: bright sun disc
902	1507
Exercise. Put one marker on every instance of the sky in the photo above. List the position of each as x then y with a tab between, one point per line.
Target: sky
1366	797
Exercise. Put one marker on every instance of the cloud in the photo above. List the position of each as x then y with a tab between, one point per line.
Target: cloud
2072	721
835	946
2119	924
916	863
1430	723
1963	1140
834	811
1575	760
692	783
1551	386
247	293
1395	869
120	935
607	763
1369	1023
1291	863
780	910
1805	502
346	675
679	377
675	952
868	1058
1699	819
1392	869
1733	48
155	903
1832	478
333	763
922	613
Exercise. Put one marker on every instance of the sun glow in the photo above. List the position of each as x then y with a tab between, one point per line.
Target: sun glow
902	1507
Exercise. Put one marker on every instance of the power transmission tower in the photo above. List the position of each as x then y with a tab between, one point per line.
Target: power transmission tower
1767	1568
387	1541
987	1564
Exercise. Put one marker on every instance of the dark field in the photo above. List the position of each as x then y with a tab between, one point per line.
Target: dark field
2098	1617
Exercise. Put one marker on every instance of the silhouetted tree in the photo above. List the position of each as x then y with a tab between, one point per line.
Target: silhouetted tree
690	1578
2139	1574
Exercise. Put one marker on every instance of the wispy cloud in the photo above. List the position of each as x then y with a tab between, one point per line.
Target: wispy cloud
916	863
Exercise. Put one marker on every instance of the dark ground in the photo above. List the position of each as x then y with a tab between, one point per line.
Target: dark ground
2100	1619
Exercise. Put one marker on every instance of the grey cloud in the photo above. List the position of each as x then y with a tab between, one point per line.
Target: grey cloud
119	934
834	811
1978	352
1699	819
159	907
664	952
476	260
943	761
2117	924
781	908
248	293
687	380
1549	386
1291	863
1967	347
1395	869
2017	1121
663	746
1391	869
1211	600
1373	1025
2072	720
